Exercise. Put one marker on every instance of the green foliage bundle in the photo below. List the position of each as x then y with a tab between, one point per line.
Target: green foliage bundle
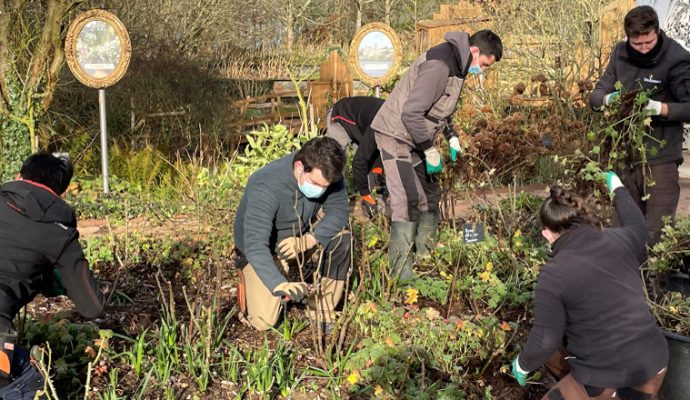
72	346
266	145
619	140
667	279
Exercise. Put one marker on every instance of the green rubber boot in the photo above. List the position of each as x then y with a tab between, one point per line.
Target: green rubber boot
427	232
400	249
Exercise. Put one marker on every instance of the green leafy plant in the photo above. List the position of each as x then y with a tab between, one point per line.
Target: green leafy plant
70	347
669	264
266	145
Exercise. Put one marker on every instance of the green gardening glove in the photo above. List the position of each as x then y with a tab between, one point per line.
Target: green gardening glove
54	286
613	182
519	374
455	148
433	161
611	97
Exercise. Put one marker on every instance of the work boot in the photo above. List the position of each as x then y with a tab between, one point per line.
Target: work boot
427	231
400	249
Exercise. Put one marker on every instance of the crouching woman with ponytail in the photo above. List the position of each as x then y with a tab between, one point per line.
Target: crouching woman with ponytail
592	326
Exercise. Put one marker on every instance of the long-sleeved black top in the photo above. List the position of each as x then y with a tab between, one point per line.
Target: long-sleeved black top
38	233
668	77
590	294
273	208
355	115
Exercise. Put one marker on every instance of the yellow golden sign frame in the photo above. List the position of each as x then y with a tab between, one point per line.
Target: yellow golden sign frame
353	57
71	48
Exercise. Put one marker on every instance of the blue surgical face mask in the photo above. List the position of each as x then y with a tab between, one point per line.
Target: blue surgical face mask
310	190
474	70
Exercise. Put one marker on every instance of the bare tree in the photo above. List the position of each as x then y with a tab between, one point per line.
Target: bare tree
294	10
387	10
360	7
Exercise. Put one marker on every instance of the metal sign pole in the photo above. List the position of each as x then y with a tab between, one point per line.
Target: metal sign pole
104	139
377	91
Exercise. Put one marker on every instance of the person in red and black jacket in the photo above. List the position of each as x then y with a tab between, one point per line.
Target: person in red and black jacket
349	123
39	253
590	296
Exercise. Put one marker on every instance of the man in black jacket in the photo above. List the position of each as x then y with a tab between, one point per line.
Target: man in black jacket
40	251
349	122
650	60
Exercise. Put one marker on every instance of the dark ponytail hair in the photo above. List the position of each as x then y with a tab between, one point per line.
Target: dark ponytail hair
563	210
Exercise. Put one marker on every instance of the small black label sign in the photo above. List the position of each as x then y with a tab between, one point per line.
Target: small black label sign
473	233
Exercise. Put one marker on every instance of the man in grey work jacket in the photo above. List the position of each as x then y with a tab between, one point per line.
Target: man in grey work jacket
650	60
290	227
420	107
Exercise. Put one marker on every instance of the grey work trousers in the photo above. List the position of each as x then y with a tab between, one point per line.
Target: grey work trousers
412	191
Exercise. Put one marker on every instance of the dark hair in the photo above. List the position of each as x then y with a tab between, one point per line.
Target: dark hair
640	20
563	210
488	43
325	154
49	170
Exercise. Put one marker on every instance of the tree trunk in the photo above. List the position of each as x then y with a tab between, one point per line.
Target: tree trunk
387	15
358	22
15	146
290	26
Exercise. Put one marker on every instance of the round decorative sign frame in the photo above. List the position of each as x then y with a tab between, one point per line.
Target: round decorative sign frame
357	40
71	53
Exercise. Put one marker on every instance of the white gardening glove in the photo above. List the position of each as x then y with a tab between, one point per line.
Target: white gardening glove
295	291
433	161
455	149
290	247
653	107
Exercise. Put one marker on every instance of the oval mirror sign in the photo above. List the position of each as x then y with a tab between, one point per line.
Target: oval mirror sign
97	48
375	53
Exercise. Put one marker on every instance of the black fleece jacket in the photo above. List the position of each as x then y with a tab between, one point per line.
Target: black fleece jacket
355	114
38	233
668	76
590	294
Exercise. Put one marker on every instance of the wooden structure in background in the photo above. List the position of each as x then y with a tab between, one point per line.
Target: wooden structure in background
282	104
611	24
430	32
468	17
335	82
279	106
463	16
459	11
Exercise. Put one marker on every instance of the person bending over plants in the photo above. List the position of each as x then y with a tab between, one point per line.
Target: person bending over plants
290	227
590	297
40	254
418	110
349	122
651	61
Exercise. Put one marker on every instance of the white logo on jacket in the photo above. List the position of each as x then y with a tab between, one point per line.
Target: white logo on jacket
651	79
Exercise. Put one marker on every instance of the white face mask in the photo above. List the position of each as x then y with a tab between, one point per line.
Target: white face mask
309	189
